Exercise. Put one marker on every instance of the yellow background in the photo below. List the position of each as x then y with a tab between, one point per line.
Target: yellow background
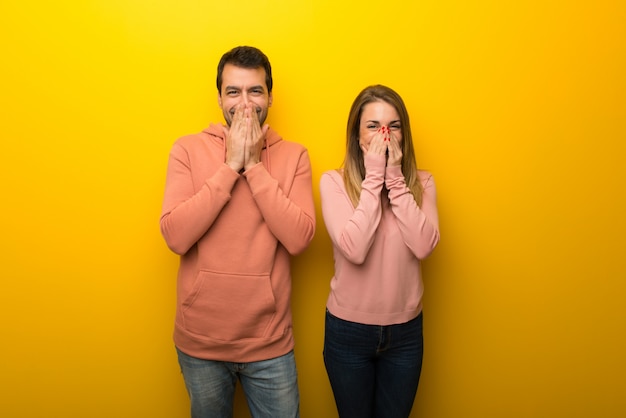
518	109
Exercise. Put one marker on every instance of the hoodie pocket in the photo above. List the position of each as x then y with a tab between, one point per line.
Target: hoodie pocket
230	307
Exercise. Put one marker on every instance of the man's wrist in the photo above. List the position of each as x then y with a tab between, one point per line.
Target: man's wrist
251	165
234	166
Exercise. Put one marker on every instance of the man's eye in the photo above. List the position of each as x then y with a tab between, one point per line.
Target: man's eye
231	93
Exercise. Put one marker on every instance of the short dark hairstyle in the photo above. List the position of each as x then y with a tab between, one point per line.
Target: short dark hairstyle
245	57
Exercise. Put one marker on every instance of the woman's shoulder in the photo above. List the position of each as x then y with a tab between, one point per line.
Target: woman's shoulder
332	176
336	173
425	177
424	173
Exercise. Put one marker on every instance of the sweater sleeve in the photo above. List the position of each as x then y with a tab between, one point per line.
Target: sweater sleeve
419	226
289	214
188	214
352	230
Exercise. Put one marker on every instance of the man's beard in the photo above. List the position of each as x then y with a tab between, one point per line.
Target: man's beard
231	113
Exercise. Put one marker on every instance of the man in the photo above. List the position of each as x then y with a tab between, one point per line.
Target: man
238	202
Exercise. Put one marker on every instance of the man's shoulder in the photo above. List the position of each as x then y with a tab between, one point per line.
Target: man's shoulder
192	141
288	146
190	138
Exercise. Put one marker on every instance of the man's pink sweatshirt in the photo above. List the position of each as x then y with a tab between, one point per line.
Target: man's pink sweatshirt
235	234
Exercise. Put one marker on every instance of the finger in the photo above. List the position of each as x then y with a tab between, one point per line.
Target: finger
248	123
377	138
238	115
378	145
395	151
386	132
238	119
253	111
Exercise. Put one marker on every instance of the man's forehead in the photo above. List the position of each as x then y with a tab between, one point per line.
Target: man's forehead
233	75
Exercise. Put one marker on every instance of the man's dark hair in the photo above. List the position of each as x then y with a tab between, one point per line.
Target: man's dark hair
245	57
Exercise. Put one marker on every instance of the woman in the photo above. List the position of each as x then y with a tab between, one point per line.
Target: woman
380	212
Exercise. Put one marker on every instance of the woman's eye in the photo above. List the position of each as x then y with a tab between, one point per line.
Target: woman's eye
395	127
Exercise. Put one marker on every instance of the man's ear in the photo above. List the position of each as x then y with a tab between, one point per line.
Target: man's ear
270	99
219	99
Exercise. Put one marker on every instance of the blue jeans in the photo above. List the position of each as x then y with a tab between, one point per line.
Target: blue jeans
270	386
373	370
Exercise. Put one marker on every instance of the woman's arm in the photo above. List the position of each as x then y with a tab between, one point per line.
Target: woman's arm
352	229
419	225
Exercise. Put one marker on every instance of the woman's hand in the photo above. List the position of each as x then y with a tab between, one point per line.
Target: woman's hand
394	157
385	142
378	143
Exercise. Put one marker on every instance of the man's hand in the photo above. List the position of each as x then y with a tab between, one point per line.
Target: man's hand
255	137
235	139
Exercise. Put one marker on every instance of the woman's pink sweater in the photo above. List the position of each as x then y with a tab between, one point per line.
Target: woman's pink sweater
378	246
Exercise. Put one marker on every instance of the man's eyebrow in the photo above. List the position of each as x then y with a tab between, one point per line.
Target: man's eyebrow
255	87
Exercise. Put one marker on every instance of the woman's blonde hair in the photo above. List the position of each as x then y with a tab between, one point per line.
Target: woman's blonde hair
353	165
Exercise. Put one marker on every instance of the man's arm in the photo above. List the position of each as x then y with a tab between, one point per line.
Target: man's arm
290	214
187	214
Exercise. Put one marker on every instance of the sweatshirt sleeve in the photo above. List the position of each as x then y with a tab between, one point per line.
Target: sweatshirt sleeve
352	230
289	214
188	214
419	226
